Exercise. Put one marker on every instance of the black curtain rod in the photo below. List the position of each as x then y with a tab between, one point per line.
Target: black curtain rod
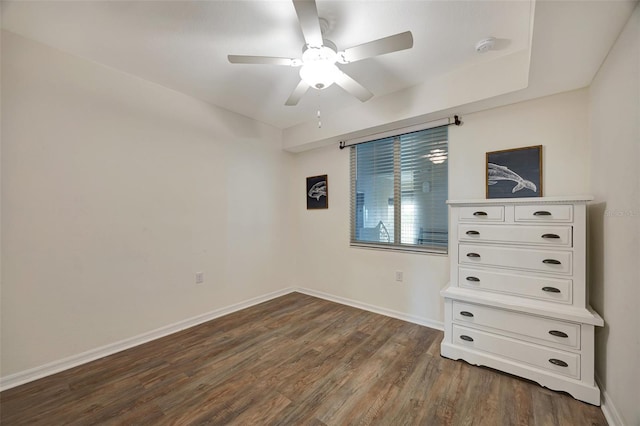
456	122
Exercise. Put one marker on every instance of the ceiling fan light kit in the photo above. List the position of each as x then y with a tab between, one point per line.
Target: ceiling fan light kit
319	75
319	68
319	56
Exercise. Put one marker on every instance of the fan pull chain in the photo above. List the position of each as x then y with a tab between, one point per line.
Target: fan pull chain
318	114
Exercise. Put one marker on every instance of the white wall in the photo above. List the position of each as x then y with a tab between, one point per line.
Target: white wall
459	87
325	262
115	191
615	220
558	123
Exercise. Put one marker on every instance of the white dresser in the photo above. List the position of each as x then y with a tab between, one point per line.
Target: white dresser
517	300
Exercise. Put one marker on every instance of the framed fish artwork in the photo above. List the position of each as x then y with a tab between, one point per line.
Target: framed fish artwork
317	192
515	173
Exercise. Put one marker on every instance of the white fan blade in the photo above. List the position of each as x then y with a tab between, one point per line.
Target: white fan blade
309	22
381	46
263	60
353	87
298	92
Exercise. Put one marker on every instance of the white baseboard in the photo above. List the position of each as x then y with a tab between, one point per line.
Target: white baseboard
32	374
371	308
609	410
54	367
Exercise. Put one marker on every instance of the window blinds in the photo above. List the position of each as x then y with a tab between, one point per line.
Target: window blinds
399	190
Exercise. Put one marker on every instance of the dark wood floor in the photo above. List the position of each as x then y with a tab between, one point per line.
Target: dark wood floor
295	360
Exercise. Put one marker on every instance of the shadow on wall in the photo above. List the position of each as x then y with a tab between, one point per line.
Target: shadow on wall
595	257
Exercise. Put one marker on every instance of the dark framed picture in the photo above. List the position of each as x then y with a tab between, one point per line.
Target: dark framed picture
317	192
515	173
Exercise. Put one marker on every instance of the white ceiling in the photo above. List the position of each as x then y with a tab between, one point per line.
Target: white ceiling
183	45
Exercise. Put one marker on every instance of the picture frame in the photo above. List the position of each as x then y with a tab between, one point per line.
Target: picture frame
514	173
317	192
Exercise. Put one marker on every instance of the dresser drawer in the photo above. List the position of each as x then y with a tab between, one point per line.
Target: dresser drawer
549	359
482	214
548	289
559	236
544	213
520	325
552	261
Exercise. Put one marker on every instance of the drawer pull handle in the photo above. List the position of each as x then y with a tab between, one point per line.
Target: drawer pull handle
479	213
558	362
551	289
474	279
552	262
542	213
558	333
551	236
470	339
473	255
470	315
473	233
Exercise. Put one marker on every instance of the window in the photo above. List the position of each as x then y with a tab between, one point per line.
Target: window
399	192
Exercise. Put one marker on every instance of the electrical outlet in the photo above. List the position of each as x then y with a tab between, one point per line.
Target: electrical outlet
199	277
399	276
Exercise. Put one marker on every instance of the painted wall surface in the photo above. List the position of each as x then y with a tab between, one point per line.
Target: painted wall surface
558	123
615	220
326	263
115	191
459	87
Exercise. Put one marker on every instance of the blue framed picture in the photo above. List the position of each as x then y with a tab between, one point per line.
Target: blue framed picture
515	173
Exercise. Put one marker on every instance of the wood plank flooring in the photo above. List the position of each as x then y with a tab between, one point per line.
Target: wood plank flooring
294	360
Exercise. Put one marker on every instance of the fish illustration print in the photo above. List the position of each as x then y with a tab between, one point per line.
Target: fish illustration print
318	190
497	172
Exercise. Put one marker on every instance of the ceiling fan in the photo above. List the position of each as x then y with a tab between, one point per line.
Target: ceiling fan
318	67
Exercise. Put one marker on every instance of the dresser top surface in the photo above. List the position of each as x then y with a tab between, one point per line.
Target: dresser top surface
529	200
